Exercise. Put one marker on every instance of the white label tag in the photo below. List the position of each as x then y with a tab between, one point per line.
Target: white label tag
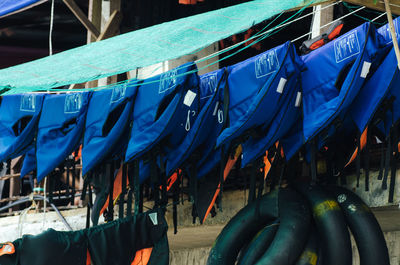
28	102
298	100
153	218
281	85
346	46
189	97
73	103
216	109
365	69
266	63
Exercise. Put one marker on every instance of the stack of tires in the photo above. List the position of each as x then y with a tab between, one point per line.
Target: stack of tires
307	224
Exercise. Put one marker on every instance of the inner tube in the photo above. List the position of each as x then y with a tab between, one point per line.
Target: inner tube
258	245
331	225
292	234
242	228
310	255
365	228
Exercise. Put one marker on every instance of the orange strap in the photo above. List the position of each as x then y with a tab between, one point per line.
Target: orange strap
88	258
117	188
172	179
363	142
331	36
142	256
187	2
228	167
79	153
7	249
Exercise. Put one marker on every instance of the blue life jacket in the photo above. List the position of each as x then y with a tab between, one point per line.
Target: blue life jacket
200	140
389	79
334	76
288	115
257	89
19	116
29	163
60	129
166	107
107	124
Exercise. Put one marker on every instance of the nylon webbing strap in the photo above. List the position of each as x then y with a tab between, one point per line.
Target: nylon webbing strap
394	163
367	160
223	156
175	201
313	161
131	188
358	158
261	180
136	186
155	180
110	174
252	188
123	191
387	162
382	162
89	206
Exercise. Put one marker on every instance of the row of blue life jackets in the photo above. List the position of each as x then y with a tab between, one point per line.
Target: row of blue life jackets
186	120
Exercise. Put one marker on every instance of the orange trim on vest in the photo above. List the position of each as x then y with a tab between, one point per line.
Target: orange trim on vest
117	188
228	167
267	164
172	179
363	142
79	153
88	258
7	249
142	256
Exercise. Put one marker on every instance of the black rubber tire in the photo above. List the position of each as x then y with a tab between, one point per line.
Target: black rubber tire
293	231
331	225
365	228
241	229
310	254
258	245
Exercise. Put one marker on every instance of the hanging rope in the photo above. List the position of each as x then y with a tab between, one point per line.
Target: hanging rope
51	28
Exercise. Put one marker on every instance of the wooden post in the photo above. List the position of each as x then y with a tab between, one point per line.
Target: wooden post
393	32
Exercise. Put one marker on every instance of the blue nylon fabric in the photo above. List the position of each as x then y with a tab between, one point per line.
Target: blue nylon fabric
253	99
10	6
60	129
202	136
14	109
29	163
375	90
392	116
379	86
166	95
284	120
322	101
98	144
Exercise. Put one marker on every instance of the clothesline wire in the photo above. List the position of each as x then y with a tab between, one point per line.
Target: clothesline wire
260	35
327	24
264	33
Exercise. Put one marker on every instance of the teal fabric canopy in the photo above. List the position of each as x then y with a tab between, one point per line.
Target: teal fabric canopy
140	48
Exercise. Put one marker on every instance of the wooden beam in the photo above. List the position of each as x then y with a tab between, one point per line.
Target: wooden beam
82	17
393	32
111	27
380	5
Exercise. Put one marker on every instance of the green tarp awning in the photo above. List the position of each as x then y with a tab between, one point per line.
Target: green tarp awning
140	48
